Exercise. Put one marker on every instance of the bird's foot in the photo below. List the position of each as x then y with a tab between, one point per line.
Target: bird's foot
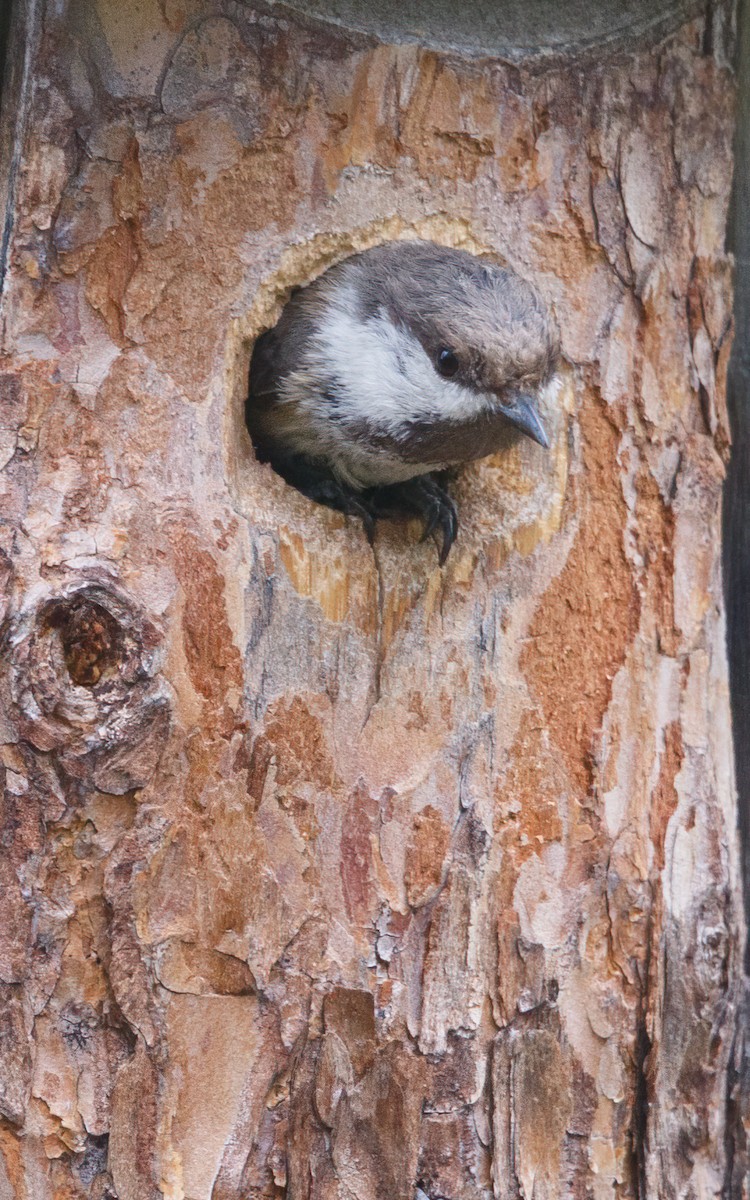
426	497
322	487
352	504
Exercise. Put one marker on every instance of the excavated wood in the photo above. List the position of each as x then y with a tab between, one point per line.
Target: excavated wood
328	873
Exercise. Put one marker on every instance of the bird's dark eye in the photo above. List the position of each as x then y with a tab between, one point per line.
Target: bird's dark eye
447	363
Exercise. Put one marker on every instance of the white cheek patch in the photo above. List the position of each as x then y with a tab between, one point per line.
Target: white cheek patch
382	372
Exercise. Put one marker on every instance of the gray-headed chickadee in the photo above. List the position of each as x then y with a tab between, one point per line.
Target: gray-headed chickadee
393	366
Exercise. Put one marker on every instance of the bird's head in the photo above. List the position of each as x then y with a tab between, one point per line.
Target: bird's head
492	344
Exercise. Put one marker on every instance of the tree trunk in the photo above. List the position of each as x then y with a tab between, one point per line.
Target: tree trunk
328	872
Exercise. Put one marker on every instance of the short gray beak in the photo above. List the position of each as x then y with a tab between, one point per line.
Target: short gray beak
522	413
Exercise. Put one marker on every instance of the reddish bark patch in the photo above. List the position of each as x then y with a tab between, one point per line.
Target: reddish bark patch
296	737
533	781
425	855
357	853
350	1013
655	533
581	631
134	1124
214	661
12	1163
110	269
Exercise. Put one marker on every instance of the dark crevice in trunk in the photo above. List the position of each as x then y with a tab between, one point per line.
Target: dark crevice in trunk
736	564
6	13
736	533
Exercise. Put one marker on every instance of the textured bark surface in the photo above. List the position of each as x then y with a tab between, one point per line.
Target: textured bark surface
327	872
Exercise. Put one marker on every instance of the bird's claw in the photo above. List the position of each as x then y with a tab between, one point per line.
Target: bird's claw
448	518
423	496
437	508
431	520
351	506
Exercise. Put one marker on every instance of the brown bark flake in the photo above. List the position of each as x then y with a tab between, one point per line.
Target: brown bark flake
581	631
213	658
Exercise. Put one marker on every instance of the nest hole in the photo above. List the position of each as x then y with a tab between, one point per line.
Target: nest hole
90	638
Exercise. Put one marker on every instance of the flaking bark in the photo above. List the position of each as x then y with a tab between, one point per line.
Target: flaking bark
326	872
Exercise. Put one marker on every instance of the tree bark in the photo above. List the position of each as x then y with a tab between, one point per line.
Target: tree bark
328	872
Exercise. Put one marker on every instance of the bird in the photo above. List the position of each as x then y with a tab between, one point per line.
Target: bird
392	368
